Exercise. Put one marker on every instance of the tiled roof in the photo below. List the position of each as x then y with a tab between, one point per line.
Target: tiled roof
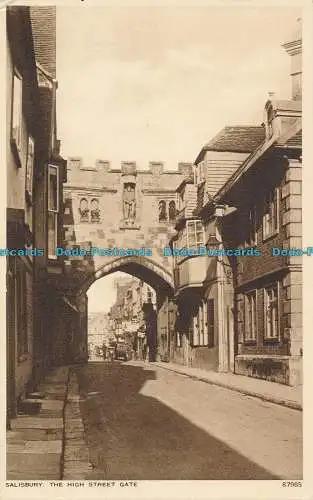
43	21
239	139
295	140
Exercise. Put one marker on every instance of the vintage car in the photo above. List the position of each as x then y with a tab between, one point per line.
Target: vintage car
122	350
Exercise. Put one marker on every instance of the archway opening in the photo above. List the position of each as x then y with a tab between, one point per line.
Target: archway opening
123	305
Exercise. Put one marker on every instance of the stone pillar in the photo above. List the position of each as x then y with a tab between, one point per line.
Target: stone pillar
292	283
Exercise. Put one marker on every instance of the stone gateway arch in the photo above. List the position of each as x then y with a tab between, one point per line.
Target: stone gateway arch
116	220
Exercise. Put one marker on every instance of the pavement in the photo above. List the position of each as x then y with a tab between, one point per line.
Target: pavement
272	392
35	441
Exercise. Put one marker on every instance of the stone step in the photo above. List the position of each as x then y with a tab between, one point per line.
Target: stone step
35	447
17	436
36	423
29	407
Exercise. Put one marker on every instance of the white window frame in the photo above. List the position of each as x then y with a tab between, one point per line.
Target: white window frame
56	169
17	109
251	316
193	224
54	211
269	321
271	214
30	169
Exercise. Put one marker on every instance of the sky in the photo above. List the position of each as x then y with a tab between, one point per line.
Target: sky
102	293
156	83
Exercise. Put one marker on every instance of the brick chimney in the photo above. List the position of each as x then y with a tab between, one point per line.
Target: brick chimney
294	49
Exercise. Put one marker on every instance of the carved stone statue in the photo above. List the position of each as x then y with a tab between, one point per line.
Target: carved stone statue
129	202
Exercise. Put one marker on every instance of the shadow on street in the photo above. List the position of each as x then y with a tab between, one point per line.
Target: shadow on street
132	436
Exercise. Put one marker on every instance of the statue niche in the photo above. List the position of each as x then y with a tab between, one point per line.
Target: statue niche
94	210
84	210
129	203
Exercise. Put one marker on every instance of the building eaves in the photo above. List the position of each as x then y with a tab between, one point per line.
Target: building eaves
235	139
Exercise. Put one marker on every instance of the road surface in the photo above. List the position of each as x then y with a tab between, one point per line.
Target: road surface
143	422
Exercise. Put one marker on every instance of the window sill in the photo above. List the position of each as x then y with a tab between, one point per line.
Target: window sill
271	340
250	342
270	236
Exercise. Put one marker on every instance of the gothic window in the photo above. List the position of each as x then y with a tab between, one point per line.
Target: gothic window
162	211
172	210
84	210
94	210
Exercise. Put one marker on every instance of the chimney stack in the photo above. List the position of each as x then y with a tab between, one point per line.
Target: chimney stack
294	49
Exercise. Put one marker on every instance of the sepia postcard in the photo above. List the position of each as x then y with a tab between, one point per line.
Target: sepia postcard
156	255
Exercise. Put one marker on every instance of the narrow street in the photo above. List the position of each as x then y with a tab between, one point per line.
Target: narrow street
143	422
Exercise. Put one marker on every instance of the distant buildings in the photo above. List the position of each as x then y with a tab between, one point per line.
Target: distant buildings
133	316
98	332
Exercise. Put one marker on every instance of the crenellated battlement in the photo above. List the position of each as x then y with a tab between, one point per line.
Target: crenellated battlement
156	168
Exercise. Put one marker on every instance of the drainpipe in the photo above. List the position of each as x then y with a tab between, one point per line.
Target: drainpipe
222	331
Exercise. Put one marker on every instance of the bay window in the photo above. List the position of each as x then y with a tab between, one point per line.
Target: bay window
195	233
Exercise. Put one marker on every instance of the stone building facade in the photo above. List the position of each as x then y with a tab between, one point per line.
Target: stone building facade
35	174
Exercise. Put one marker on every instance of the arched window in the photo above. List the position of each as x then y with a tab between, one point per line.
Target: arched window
94	210
84	210
172	210
162	210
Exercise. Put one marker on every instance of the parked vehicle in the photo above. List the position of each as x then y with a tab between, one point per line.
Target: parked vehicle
122	350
